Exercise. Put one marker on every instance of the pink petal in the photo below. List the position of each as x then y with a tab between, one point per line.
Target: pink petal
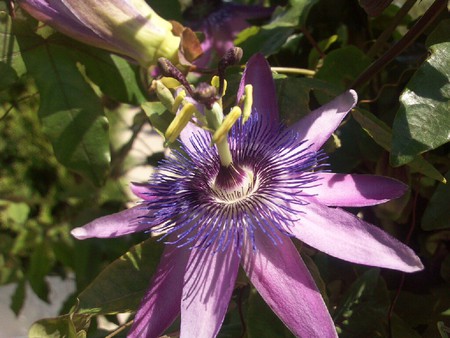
115	225
209	283
258	74
317	126
282	279
188	132
355	190
345	236
161	304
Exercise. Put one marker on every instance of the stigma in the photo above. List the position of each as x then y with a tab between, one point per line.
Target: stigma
233	183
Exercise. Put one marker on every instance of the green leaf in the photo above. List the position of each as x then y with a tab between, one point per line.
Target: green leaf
337	69
67	326
436	214
295	15
362	310
9	51
40	266
382	134
262	40
158	115
18	297
261	321
8	76
71	113
121	286
423	121
115	76
294	96
401	329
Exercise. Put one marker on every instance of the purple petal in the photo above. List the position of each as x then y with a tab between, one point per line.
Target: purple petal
345	236
115	225
161	304
209	282
355	190
258	74
142	190
282	279
317	126
188	132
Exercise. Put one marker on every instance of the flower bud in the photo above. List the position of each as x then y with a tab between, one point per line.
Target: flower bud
126	27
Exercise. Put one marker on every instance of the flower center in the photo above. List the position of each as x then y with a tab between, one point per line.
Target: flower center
233	184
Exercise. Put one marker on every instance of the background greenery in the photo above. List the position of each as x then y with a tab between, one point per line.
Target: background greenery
65	106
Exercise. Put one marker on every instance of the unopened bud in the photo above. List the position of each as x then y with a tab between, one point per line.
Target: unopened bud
164	94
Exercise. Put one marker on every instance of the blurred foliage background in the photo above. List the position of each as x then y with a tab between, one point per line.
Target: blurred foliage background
71	116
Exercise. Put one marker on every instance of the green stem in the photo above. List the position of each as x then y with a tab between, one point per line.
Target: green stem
298	71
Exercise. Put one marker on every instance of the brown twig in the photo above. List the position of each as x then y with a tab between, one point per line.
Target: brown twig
430	15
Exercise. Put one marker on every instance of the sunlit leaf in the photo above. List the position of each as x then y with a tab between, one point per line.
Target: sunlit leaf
9	50
67	326
295	14
70	111
382	135
423	121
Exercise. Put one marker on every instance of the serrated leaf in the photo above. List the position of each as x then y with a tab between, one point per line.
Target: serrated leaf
422	122
436	214
382	134
121	286
71	113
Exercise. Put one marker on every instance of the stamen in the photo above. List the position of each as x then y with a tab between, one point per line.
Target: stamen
227	124
179	122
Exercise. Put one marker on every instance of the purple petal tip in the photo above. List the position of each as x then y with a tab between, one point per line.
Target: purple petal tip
79	233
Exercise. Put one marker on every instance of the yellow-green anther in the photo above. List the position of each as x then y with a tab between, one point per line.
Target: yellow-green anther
227	124
178	100
248	102
179	122
164	95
